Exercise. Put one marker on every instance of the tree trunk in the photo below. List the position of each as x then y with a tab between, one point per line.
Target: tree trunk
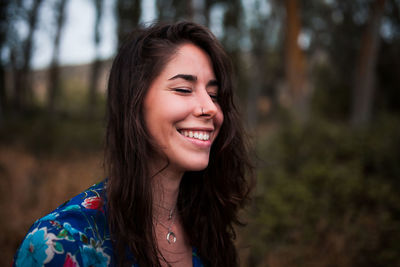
96	66
23	80
2	95
295	63
207	9
128	16
364	82
3	34
254	90
164	10
54	89
183	9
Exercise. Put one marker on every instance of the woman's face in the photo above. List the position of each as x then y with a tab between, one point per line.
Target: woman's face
181	111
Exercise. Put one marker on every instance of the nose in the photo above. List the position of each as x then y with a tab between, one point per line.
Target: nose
206	106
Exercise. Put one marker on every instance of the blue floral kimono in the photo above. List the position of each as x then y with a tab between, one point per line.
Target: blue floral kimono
75	234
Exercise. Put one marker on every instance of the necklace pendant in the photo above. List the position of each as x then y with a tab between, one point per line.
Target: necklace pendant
171	238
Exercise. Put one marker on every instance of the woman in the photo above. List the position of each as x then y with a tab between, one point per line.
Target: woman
176	158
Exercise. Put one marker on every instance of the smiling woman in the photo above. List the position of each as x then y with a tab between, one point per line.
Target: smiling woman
180	110
176	157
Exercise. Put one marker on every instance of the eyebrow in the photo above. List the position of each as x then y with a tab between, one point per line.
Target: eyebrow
213	83
193	78
187	77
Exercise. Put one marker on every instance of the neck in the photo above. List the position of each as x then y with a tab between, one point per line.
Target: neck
165	192
170	234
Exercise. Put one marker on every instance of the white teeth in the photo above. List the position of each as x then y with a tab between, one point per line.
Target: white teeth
196	134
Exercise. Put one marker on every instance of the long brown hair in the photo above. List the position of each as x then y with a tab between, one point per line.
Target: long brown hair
208	200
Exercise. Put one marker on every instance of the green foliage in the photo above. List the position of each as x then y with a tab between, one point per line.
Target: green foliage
45	134
327	196
332	96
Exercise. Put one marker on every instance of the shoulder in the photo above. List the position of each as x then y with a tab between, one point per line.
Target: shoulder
196	258
75	234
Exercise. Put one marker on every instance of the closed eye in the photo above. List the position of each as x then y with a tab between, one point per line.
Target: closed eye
182	90
214	97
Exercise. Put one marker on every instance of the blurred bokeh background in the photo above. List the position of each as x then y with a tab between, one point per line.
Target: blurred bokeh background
318	83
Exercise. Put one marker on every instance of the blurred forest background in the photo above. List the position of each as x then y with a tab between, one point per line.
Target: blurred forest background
319	85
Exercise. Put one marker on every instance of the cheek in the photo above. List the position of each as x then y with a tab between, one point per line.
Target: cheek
219	120
178	111
161	118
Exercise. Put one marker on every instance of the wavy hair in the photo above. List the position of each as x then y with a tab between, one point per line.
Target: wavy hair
208	200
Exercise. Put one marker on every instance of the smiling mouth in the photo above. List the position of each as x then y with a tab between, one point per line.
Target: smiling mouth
199	135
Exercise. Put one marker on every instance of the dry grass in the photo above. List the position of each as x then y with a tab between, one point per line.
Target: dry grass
30	187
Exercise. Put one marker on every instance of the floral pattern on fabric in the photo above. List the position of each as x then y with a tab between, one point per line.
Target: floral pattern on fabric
70	261
37	248
73	235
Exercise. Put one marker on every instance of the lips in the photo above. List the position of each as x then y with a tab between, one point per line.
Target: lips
196	134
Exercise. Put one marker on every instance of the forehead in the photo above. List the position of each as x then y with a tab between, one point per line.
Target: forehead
190	59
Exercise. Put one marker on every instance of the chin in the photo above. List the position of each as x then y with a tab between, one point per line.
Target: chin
197	166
